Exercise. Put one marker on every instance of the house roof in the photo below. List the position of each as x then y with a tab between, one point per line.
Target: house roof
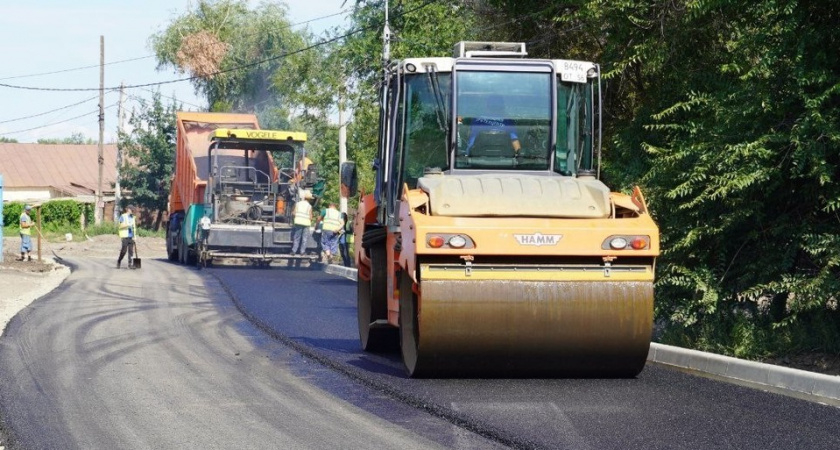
72	169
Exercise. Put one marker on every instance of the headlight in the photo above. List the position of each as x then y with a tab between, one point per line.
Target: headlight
626	242
618	243
449	241
457	241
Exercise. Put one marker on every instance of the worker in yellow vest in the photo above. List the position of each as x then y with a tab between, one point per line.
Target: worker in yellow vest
302	167
302	213
333	223
127	230
25	234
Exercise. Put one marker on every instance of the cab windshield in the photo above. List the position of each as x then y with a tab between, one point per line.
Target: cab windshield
496	113
503	120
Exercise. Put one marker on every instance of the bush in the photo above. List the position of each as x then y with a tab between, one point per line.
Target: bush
62	212
11	214
754	335
55	214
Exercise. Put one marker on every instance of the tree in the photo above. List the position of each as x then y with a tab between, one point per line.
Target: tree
252	61
748	154
235	54
361	54
150	153
74	139
730	118
6	140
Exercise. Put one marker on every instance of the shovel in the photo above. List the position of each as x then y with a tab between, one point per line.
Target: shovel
136	262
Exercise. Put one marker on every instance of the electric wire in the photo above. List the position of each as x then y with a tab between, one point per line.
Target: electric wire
166	96
245	66
50	111
59	122
76	68
241	67
344	11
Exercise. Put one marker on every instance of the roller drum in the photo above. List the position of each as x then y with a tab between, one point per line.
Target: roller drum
531	328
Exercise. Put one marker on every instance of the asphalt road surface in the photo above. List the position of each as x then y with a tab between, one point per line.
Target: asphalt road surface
660	409
163	358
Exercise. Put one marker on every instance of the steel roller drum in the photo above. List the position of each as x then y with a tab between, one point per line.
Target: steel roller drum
514	328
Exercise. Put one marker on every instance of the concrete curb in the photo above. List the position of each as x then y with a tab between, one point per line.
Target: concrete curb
346	272
778	377
764	375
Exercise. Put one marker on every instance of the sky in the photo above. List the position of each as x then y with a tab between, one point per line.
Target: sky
55	44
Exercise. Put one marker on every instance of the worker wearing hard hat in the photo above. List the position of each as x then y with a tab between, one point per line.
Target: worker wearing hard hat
302	213
302	167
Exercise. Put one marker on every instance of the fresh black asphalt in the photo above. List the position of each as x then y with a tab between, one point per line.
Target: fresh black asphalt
315	313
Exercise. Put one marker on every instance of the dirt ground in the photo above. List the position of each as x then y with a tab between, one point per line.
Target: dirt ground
102	246
108	246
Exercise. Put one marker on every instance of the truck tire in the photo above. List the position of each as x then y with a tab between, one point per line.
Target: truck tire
171	250
181	257
191	258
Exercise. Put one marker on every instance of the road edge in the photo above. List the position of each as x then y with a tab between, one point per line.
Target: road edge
821	387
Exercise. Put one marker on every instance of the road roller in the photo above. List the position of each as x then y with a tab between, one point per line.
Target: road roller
488	246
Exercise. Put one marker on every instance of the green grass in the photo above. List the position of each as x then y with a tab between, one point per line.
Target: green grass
55	233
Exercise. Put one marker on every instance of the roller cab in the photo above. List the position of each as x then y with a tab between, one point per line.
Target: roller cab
489	246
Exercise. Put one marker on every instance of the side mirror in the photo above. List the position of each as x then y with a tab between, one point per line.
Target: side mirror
311	176
349	179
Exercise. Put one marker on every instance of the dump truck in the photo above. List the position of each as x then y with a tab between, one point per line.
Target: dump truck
489	247
246	181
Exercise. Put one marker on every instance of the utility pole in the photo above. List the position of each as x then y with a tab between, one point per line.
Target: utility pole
1	217
386	39
342	145
120	131
99	211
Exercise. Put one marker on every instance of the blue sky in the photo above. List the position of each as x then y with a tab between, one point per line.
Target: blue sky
44	36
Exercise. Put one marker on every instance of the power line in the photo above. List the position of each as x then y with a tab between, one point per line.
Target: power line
76	68
150	56
56	123
319	18
165	96
244	66
178	80
50	111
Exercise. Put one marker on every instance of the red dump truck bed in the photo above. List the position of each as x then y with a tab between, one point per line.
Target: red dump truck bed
193	138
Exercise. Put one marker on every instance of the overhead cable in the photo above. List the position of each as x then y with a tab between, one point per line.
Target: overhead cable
244	66
56	123
147	56
50	111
